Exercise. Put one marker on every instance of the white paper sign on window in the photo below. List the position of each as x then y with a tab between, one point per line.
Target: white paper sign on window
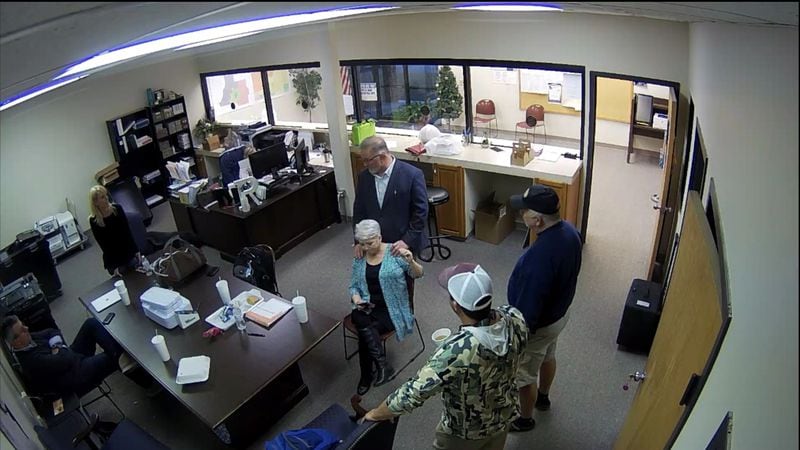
554	93
369	92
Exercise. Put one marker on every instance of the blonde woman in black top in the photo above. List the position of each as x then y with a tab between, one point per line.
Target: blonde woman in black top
112	232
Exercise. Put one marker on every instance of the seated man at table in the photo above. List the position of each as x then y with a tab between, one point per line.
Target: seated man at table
50	366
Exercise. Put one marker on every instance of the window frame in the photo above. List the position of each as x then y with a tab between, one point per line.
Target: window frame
466	65
264	81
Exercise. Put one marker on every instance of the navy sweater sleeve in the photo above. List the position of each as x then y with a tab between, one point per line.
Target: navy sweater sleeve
529	286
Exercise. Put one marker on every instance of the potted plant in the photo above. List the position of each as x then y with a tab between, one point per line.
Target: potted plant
203	130
307	83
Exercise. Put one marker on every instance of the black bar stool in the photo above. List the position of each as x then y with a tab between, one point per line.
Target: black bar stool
436	196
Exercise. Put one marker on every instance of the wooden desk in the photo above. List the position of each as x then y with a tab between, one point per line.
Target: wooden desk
253	381
287	217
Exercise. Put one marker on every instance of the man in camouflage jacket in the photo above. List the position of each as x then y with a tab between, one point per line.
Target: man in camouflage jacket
474	369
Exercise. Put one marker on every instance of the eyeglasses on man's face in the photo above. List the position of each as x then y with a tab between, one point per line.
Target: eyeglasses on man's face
366	161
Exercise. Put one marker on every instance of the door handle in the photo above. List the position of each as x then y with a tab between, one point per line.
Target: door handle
636	377
657	204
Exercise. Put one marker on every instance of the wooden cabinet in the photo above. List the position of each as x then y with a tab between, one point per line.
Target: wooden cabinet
355	163
568	196
450	215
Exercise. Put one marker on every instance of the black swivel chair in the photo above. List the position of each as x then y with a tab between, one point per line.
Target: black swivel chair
256	265
126	436
352	435
72	402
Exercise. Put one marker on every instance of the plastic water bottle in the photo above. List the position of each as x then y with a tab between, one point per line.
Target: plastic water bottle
238	315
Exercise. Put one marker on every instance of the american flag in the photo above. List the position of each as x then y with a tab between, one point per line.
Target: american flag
344	74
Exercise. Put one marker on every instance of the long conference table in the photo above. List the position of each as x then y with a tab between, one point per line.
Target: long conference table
253	380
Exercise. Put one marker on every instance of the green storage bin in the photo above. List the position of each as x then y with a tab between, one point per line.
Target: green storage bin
362	131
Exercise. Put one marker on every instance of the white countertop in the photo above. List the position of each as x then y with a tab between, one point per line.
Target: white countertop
485	159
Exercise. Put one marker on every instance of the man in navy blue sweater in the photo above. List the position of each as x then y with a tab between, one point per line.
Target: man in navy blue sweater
542	286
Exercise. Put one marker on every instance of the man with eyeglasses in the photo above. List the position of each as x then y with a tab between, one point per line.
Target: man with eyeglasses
542	286
393	193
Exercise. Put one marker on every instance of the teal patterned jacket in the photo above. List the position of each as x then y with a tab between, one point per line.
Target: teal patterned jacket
392	278
477	385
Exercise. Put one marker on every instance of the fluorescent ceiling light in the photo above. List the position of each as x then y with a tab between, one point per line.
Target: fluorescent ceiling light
508	7
210	34
214	41
37	91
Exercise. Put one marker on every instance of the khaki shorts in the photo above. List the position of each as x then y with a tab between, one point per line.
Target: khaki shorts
541	347
449	442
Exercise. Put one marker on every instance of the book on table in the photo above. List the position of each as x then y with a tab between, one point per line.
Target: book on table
267	312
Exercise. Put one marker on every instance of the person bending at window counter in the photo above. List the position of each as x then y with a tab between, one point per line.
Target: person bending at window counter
380	298
111	230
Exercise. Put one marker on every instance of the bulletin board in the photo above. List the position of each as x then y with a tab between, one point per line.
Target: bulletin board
614	99
528	98
533	89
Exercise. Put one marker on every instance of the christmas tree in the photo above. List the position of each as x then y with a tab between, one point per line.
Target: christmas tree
449	102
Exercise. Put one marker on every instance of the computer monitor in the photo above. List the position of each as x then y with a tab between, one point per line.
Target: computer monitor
264	161
644	109
301	159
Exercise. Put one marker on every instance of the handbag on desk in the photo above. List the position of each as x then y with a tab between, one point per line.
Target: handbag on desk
180	259
362	131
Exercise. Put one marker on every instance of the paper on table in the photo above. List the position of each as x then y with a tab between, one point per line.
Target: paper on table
391	144
268	312
106	300
549	155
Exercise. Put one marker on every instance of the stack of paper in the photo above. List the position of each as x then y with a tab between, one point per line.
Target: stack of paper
266	313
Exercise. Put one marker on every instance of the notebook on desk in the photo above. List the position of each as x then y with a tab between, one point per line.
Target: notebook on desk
266	313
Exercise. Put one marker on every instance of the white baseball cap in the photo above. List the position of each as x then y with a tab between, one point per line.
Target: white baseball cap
469	285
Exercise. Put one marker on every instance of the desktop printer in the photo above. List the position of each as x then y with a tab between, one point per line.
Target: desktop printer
161	306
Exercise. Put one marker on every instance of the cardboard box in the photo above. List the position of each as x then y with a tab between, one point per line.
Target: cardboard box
493	221
107	174
521	153
211	142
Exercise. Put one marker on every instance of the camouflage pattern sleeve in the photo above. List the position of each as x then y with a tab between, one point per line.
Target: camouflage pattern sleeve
442	366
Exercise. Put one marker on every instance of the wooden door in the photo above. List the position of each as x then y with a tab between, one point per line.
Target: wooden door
357	166
666	212
693	323
450	216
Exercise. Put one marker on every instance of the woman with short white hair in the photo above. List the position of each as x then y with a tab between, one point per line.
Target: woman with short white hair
379	293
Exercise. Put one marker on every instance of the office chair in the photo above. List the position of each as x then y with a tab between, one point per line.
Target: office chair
349	331
352	435
125	193
229	164
485	113
534	117
256	265
43	401
126	436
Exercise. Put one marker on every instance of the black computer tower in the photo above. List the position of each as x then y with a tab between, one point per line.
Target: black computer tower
640	317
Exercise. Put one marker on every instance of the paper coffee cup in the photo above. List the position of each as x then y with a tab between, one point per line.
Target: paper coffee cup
126	299
224	293
440	335
122	290
161	347
300	307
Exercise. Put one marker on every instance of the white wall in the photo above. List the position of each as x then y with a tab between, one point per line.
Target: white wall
51	147
744	82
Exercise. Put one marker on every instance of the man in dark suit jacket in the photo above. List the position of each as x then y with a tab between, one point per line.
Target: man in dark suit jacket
393	193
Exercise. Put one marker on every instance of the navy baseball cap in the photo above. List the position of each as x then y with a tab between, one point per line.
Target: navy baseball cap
539	198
